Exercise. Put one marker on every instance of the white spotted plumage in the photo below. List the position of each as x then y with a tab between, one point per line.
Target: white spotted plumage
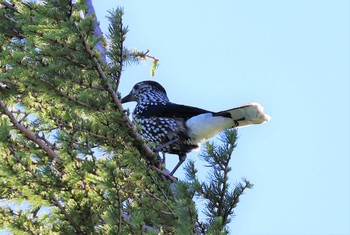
179	129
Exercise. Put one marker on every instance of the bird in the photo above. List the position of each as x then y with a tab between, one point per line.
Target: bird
178	129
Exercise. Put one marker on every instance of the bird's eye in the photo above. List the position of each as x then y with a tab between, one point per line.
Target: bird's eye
135	90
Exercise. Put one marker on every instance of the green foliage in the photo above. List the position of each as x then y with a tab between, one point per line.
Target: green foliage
136	56
70	162
117	33
4	129
220	197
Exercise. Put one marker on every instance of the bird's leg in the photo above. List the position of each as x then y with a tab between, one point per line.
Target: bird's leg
182	158
163	157
159	148
161	160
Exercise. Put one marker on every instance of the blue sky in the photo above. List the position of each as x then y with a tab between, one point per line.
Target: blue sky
290	56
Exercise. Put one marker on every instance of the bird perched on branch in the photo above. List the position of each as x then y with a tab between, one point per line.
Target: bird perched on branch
179	129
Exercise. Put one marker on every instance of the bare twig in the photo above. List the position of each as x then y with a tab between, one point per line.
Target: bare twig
142	55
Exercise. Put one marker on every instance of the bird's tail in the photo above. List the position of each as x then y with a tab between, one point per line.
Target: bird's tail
246	115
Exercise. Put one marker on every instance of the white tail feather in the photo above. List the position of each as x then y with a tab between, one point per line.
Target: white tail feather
206	125
249	114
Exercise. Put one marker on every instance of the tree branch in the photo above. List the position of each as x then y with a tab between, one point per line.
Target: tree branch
97	32
66	214
30	135
145	149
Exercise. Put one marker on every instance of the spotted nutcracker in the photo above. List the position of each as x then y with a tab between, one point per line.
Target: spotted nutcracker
179	129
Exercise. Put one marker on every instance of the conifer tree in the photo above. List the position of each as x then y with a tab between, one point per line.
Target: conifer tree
71	161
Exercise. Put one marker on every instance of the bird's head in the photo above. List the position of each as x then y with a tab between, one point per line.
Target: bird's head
146	91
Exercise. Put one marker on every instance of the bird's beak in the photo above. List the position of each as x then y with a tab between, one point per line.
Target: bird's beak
128	98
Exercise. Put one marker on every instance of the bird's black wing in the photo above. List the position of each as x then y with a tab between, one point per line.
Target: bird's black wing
172	110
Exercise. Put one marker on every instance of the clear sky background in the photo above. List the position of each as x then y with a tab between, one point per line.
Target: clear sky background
290	56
